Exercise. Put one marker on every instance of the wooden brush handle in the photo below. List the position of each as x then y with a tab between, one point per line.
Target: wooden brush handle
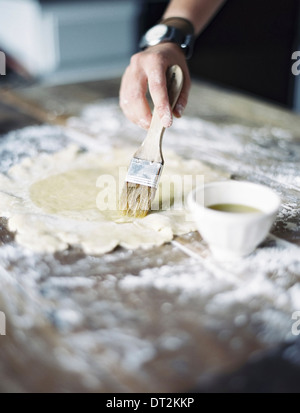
151	148
174	84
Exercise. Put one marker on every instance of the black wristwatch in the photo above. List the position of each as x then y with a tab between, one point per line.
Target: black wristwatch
174	29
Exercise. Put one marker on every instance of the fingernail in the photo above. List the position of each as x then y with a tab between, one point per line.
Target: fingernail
166	120
179	109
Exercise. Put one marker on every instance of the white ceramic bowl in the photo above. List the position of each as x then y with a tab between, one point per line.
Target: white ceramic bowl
231	235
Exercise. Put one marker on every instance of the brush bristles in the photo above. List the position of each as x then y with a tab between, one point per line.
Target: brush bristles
136	200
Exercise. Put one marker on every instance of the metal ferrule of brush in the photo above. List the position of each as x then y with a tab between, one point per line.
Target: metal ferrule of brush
143	172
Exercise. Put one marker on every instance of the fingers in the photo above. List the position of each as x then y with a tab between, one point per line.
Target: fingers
148	69
159	94
183	97
133	100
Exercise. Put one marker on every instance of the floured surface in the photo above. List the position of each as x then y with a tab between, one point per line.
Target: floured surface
157	319
50	201
110	324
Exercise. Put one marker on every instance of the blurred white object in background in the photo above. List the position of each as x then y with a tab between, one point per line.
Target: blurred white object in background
69	41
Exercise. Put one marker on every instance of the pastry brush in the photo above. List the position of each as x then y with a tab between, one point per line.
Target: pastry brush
147	163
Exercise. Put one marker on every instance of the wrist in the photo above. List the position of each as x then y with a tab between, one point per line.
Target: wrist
176	30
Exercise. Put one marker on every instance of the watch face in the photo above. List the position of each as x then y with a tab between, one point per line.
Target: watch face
156	33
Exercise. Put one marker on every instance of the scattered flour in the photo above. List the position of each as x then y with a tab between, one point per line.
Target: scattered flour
102	316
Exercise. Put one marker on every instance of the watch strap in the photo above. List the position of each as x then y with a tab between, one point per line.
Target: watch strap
181	32
180	23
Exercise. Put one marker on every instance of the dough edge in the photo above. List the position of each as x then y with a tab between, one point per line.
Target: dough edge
48	233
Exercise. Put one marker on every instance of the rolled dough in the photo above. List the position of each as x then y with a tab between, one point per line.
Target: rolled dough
50	201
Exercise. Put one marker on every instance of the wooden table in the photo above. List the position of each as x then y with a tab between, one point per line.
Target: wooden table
115	323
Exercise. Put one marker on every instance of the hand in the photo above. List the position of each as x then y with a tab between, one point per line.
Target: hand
148	69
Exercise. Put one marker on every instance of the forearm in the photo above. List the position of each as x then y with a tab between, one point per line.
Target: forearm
147	69
198	12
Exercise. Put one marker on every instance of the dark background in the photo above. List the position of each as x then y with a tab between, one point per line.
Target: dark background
247	46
